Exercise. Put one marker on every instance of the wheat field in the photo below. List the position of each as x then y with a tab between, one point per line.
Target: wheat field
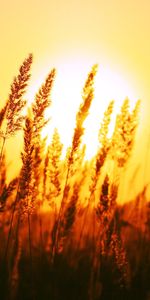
63	232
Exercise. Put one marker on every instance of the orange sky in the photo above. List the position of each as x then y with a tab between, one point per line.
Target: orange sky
112	32
115	34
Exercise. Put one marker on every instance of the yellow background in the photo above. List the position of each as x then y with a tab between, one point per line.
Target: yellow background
115	33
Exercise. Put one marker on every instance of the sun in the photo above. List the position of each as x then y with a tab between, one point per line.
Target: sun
66	98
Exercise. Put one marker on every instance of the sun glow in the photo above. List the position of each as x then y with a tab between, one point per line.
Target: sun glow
66	98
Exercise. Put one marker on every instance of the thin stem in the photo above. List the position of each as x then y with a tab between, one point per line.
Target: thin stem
41	229
11	224
55	245
2	150
29	235
30	254
14	279
85	216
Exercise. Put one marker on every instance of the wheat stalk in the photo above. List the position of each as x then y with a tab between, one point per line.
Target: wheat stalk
87	97
99	162
15	100
55	151
15	103
2	114
41	103
124	133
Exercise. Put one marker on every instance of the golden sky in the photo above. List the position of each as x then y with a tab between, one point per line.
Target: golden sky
116	33
112	33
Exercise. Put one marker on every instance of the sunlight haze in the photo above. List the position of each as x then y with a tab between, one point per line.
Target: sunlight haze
72	36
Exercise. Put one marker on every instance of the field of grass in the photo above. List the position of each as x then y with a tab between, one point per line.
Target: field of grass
63	233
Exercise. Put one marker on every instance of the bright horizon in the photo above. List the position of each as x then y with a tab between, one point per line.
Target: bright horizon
110	33
66	98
